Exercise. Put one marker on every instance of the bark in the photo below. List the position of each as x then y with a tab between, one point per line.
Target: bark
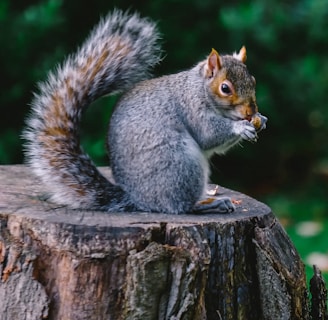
319	296
57	263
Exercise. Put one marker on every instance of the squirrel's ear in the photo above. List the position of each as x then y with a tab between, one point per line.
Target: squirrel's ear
213	64
241	55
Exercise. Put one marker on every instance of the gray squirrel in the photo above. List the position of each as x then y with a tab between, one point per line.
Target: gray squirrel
162	130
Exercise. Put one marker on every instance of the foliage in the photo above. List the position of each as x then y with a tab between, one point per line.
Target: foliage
287	49
304	216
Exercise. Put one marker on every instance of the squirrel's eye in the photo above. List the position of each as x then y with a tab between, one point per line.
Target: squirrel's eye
226	88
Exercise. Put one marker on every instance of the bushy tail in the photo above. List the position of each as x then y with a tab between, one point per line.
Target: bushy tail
118	53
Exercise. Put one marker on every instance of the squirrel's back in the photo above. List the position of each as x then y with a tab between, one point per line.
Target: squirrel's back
118	53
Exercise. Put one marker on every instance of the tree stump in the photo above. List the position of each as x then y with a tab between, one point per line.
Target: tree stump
57	263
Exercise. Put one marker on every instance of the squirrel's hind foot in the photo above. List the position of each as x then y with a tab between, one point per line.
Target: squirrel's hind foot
215	205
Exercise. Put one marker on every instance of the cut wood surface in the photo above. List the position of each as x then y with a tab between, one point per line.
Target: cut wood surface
57	263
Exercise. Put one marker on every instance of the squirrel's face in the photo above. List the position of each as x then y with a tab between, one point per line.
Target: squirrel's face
231	85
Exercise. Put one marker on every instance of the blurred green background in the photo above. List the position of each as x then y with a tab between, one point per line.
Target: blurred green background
287	46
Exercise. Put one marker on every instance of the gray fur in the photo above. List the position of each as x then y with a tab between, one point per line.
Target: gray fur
161	133
171	125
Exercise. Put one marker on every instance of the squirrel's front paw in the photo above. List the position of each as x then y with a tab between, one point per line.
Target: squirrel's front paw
245	130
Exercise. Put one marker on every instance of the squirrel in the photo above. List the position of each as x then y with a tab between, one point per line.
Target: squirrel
162	131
